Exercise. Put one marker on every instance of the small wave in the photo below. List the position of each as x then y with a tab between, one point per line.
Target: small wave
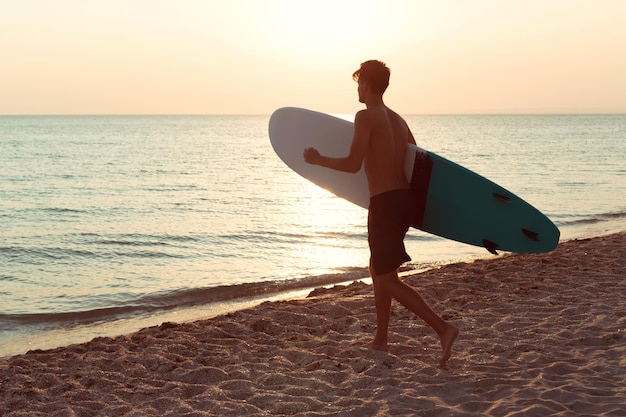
256	235
136	239
267	236
62	210
160	302
148	254
16	252
120	242
14	321
616	215
36	256
190	297
593	219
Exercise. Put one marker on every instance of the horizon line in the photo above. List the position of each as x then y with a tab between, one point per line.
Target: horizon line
591	113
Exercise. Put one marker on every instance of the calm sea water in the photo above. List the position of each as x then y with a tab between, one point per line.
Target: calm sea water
112	218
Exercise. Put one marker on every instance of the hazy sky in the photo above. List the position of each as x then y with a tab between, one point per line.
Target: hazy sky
250	57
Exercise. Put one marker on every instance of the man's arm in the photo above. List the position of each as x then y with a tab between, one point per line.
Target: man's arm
360	143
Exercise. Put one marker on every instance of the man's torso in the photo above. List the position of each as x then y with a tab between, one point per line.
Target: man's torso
384	160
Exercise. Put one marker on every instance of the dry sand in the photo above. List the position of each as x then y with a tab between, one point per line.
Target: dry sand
541	335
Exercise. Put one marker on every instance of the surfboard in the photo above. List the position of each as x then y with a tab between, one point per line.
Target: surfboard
453	202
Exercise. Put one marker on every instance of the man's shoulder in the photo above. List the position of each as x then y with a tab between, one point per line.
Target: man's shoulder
371	115
394	115
364	119
378	115
362	114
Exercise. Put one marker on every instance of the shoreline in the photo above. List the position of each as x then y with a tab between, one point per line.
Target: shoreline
53	337
20	340
20	335
541	334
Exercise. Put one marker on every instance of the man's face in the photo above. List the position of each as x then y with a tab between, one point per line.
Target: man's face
362	89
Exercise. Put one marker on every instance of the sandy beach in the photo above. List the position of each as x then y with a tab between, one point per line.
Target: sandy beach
541	335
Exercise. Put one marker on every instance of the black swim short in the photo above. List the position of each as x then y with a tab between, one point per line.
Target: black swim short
389	218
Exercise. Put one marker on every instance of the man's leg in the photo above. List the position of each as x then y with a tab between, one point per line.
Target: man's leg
390	286
382	301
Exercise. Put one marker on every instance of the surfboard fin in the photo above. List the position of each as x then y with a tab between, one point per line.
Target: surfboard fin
502	197
490	246
530	234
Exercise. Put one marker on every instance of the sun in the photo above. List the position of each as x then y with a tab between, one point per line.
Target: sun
320	29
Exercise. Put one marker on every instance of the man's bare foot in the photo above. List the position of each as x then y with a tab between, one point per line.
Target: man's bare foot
447	339
378	346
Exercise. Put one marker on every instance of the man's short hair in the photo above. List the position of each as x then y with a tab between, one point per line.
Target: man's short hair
375	74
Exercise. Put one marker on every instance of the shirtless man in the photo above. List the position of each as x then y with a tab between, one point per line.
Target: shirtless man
380	141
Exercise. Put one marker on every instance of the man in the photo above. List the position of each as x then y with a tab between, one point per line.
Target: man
380	141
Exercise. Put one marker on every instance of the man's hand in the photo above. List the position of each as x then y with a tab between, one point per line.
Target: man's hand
311	156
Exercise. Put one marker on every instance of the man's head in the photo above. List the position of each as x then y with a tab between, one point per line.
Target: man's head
375	74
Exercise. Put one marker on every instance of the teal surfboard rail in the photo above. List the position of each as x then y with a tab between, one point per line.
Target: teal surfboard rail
465	206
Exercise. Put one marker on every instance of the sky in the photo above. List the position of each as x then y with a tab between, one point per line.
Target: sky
253	56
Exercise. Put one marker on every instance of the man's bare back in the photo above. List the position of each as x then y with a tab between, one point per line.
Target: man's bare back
389	136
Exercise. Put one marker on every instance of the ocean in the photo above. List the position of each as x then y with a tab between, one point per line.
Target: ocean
112	223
